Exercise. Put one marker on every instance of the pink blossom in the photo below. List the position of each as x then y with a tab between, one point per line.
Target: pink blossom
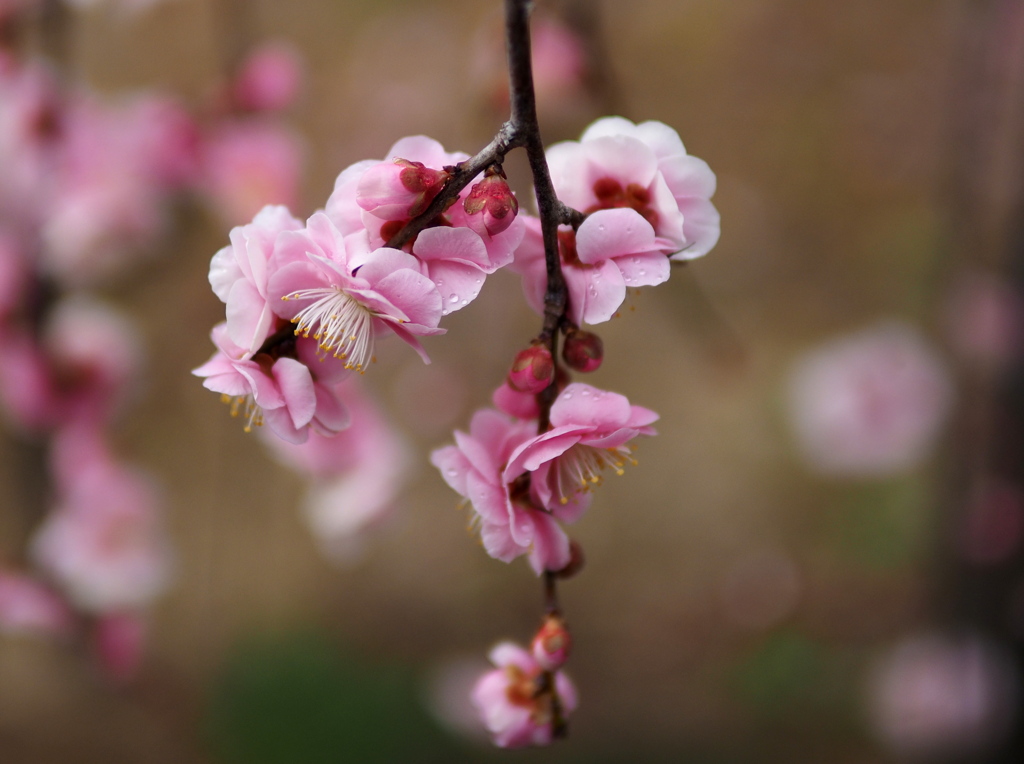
456	252
590	433
103	544
618	254
935	694
644	171
94	354
250	163
282	391
515	403
869	404
985	318
510	525
269	78
30	126
28	392
29	607
509	704
347	297
357	474
238	276
116	165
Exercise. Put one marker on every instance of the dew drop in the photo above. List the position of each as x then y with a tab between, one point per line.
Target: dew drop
452	472
643	272
567	396
453	298
464	302
585	393
479	281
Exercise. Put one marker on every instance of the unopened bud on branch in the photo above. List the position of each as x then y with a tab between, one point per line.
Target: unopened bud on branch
552	643
493	201
532	370
582	351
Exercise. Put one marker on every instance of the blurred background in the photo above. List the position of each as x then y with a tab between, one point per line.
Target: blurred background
817	559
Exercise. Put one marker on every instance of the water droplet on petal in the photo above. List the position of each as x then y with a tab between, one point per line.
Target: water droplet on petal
567	396
643	272
453	298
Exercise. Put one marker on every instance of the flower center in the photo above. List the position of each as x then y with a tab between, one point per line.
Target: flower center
341	324
579	469
611	195
245	405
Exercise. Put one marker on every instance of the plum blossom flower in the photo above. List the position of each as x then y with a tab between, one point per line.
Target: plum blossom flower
269	78
282	392
935	693
509	525
373	200
618	254
590	433
357	474
103	544
238	276
248	163
618	165
869	404
644	197
510	706
114	171
347	297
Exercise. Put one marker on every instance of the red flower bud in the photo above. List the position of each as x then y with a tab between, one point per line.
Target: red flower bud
532	370
552	643
493	201
582	351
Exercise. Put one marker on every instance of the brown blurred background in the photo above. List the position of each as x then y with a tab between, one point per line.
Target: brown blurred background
837	131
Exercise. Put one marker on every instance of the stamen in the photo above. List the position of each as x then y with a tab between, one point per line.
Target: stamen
580	468
245	405
343	325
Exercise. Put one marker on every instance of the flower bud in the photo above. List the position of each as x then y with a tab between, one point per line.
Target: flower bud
583	351
532	370
399	190
552	643
493	201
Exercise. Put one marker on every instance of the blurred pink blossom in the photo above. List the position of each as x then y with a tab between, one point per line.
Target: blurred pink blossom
871	403
269	79
506	698
248	164
357	474
933	694
103	544
985	318
29	607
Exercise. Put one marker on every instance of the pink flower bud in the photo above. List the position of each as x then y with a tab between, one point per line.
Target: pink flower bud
399	190
493	201
532	370
583	351
552	643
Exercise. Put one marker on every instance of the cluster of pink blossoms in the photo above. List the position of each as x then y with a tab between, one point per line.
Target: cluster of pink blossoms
306	303
88	186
